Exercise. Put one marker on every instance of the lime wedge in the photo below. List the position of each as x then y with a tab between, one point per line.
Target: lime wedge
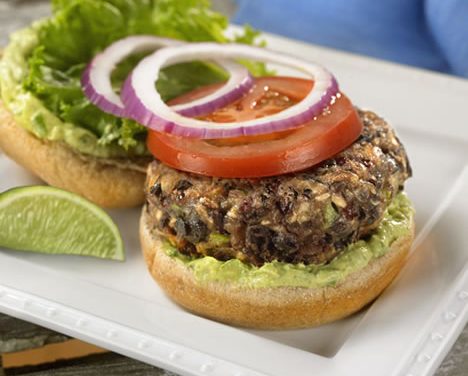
49	220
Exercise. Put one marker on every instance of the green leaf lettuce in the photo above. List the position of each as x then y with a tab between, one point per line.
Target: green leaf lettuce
79	29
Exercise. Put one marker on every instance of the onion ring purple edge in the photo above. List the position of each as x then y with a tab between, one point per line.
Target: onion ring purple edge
240	79
158	124
207	108
199	110
149	109
98	99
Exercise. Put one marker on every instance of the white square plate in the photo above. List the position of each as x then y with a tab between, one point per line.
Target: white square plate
406	331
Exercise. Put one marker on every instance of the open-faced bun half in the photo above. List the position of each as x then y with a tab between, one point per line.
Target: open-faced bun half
107	182
280	307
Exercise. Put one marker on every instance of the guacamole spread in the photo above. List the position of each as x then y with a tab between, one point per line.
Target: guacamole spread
395	224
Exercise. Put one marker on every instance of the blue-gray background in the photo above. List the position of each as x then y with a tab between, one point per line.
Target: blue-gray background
431	34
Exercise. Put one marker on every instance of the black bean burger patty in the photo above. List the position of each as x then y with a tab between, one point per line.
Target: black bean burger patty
305	217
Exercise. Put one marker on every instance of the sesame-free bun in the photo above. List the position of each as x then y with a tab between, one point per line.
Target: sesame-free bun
109	183
276	307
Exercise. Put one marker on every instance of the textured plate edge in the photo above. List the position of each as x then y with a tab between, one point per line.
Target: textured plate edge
450	316
116	337
440	333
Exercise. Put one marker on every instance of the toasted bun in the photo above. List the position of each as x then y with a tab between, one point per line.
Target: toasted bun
271	308
107	182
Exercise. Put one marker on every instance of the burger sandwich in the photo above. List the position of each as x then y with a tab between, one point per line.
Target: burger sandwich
271	201
281	209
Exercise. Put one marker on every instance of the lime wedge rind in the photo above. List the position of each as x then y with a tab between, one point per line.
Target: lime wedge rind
50	220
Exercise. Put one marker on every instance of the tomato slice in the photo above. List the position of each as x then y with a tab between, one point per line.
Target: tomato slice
264	155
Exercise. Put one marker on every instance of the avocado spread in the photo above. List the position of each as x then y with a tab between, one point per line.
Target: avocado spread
395	224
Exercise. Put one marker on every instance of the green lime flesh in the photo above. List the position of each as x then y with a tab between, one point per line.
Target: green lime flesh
49	220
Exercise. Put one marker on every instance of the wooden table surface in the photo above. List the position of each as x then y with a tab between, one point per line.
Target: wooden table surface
17	335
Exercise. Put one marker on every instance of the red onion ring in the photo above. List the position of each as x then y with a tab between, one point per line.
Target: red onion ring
97	86
239	82
96	79
144	104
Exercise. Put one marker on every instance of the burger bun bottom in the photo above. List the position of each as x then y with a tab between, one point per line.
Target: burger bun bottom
107	182
276	307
